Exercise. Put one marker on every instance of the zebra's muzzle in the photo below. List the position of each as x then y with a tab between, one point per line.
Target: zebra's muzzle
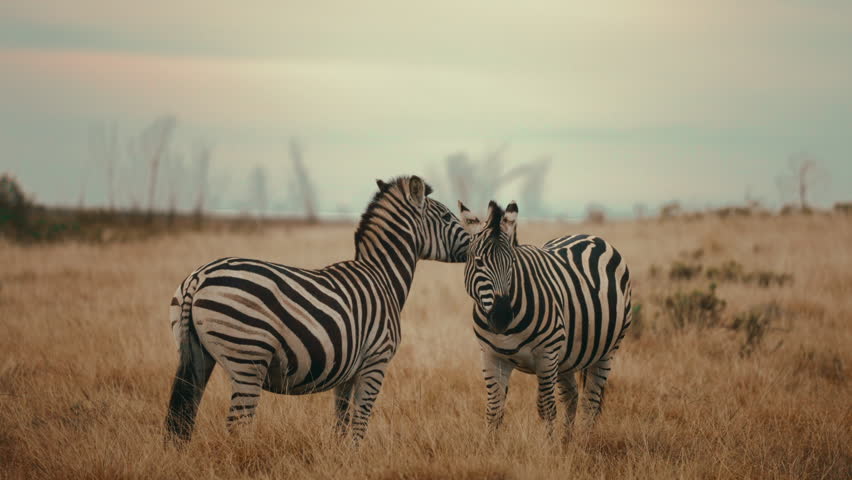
501	314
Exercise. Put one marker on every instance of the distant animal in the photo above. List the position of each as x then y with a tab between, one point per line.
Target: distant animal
549	311
296	331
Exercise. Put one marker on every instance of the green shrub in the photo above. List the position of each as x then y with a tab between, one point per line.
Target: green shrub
755	324
684	271
637	323
843	207
654	271
730	271
698	308
767	279
15	207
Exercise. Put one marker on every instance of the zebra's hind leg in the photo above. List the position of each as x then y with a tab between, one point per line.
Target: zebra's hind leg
570	396
247	378
366	389
594	383
342	402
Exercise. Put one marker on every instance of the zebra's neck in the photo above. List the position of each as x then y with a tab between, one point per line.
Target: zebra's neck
387	240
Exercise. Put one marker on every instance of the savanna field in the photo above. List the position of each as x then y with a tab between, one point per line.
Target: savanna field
738	364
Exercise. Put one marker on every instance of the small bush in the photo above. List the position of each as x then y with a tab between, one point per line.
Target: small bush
755	324
684	271
654	271
794	210
767	279
826	365
15	207
696	254
637	323
843	207
730	271
670	210
726	212
698	308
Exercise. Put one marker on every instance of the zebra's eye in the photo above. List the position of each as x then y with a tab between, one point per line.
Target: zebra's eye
447	217
478	261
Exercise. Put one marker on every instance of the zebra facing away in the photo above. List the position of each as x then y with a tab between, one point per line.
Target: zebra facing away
295	331
549	311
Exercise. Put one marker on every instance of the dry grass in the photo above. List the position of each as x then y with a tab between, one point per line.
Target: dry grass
87	361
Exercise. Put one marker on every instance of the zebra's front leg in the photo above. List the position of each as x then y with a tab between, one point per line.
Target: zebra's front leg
367	388
342	402
496	371
547	371
594	383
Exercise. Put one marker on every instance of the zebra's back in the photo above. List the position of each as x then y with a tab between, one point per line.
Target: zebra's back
596	309
310	329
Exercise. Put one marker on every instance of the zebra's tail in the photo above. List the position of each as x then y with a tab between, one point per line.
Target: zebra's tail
194	369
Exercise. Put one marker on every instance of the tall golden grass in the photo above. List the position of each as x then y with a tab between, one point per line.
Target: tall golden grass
87	359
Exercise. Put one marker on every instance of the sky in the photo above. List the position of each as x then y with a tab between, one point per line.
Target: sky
634	101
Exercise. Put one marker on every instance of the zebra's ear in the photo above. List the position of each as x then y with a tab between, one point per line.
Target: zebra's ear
469	221
509	222
417	190
381	184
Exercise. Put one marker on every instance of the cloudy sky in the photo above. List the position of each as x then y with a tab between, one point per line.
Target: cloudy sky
641	101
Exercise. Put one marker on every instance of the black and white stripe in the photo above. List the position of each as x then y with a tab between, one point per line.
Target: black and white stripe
295	331
550	311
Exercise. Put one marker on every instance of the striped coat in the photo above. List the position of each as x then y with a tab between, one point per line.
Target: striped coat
296	331
549	311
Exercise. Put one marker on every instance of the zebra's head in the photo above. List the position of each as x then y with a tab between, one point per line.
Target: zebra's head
488	273
440	233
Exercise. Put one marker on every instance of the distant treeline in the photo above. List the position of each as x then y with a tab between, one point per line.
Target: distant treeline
24	221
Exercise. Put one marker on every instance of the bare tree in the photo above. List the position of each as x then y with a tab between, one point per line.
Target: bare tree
307	192
670	209
174	176
202	178
257	190
151	146
475	183
802	175
640	211
531	175
752	203
81	198
103	149
462	175
595	213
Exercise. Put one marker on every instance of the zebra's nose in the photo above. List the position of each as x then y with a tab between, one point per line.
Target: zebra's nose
500	315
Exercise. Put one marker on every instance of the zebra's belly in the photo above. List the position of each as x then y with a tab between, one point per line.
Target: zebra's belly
279	381
576	359
285	386
524	359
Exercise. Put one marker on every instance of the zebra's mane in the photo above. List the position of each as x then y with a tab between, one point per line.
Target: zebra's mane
375	202
494	219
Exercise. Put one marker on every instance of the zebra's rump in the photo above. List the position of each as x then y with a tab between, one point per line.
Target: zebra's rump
293	326
597	282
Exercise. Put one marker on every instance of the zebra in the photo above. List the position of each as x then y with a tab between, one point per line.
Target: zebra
296	331
549	311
